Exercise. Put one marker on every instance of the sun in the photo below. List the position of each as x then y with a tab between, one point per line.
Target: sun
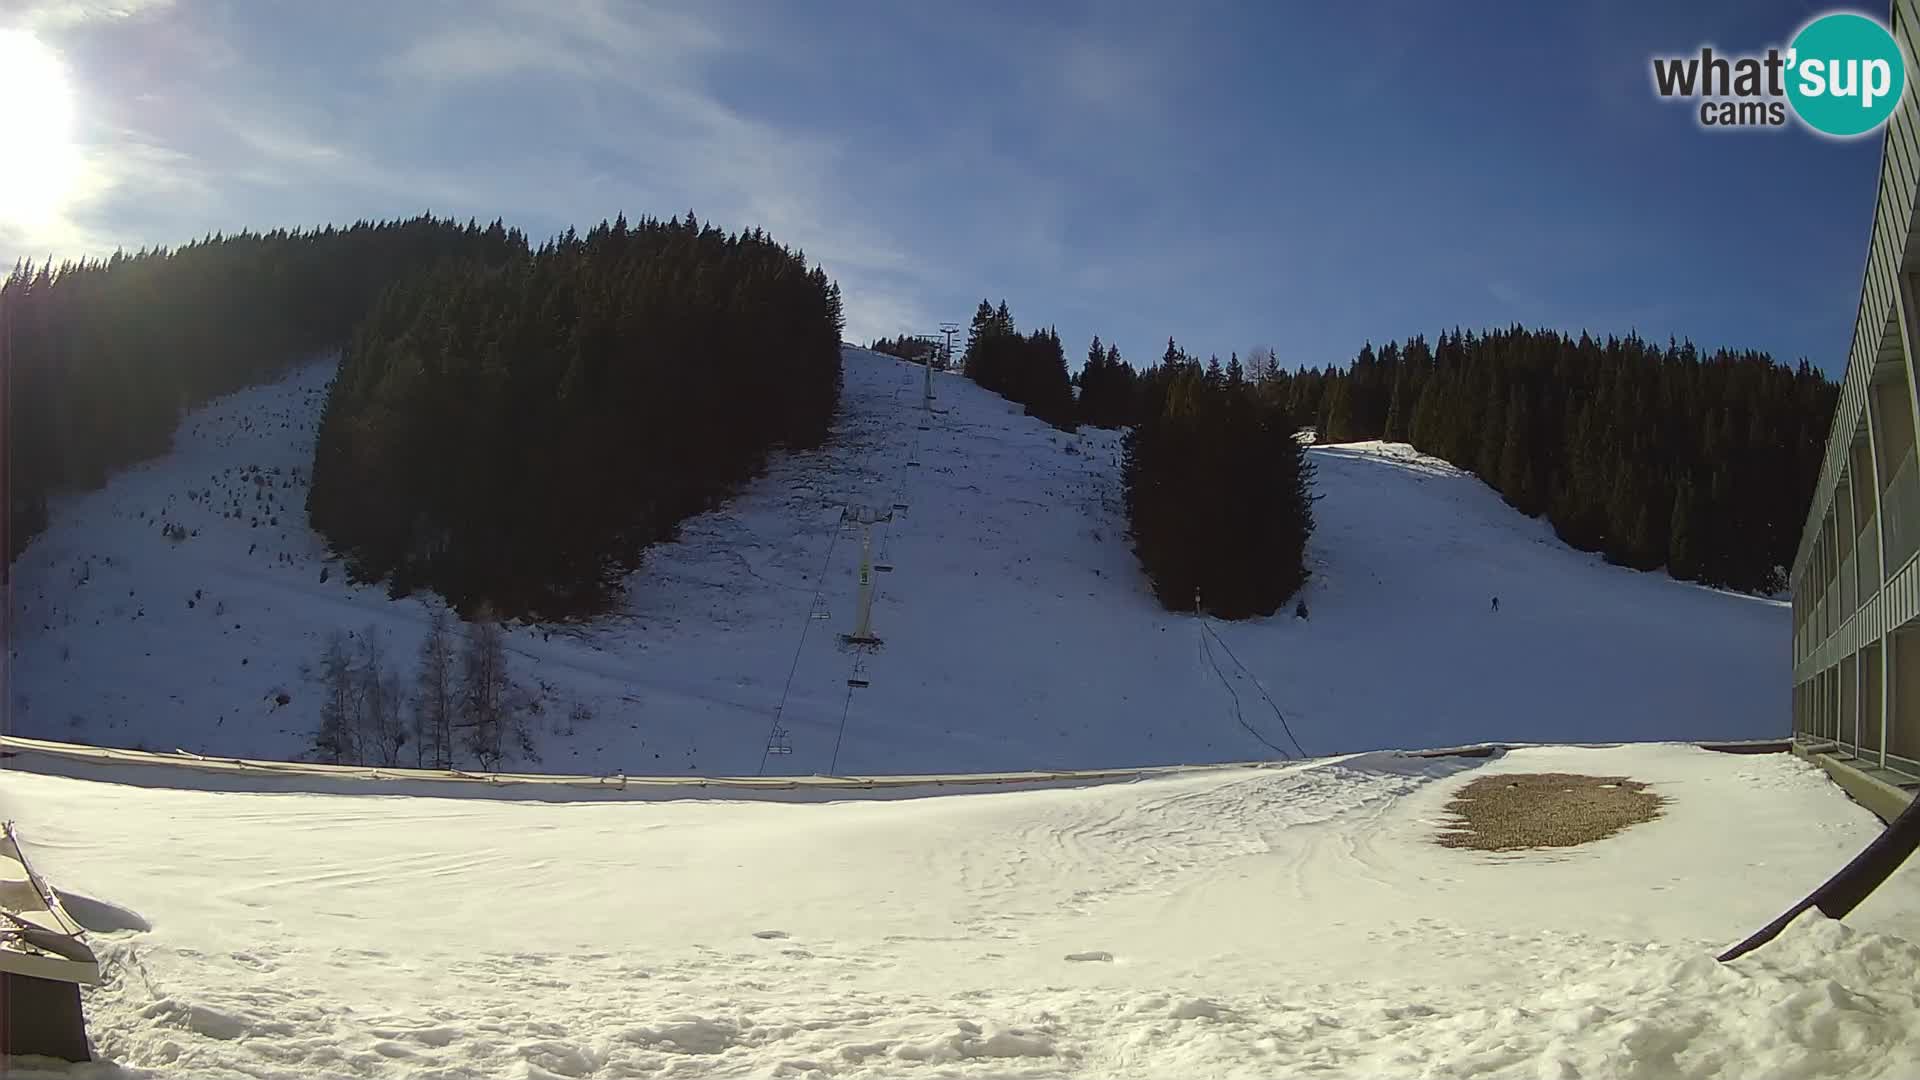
36	132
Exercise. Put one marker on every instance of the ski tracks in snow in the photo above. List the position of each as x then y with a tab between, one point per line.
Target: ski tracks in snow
1256	922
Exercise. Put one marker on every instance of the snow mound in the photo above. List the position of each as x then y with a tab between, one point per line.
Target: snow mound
178	606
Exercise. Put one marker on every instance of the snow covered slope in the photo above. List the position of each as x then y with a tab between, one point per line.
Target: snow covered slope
1288	921
1017	630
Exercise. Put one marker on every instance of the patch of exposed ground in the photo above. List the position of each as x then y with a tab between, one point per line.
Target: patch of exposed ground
1518	811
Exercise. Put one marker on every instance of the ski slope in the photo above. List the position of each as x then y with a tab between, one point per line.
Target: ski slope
1294	920
1017	630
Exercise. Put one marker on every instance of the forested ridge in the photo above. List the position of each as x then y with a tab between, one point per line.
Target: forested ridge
517	433
1703	463
508	425
103	356
1217	488
1654	456
1030	369
918	350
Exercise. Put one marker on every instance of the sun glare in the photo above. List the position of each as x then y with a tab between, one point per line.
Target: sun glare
36	130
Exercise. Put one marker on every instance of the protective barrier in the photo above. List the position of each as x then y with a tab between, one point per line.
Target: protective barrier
745	785
1855	881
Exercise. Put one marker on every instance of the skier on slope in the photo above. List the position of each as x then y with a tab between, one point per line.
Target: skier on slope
1496	603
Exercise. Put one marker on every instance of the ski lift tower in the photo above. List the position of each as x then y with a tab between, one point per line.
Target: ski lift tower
948	330
863	629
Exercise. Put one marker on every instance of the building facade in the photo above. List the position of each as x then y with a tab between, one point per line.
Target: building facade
1855	580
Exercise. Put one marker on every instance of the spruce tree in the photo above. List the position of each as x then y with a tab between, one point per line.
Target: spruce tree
1338	426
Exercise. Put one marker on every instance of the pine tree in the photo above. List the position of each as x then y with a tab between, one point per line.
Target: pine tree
982	327
1399	404
1338	426
836	313
1683	561
1515	470
1493	439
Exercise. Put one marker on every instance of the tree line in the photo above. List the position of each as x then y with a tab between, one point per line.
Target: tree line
103	356
1653	456
1218	487
1703	463
907	347
1028	369
517	432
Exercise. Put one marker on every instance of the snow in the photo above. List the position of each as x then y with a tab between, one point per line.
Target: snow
1283	921
1018	632
1294	918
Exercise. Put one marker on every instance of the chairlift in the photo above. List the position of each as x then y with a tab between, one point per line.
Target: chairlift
779	743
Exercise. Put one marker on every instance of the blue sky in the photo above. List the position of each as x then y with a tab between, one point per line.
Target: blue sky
1303	176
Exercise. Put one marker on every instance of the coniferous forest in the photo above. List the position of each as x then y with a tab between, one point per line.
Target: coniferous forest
907	348
1218	490
516	433
1701	463
1108	387
1654	457
1029	369
1216	484
527	419
104	356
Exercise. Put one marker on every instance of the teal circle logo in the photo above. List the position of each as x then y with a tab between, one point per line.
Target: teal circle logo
1845	74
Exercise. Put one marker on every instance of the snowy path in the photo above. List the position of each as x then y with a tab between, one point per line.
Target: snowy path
1266	922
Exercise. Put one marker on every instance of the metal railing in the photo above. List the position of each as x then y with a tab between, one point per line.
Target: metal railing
1849	583
1903	513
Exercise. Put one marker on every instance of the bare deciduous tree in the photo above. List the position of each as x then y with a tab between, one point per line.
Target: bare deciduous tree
382	733
485	691
339	705
1262	364
435	699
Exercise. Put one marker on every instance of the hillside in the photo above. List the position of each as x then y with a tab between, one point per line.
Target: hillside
1017	630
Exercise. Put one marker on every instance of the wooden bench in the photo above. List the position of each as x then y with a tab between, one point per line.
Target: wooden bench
44	960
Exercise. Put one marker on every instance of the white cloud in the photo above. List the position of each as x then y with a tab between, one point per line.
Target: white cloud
620	114
644	104
61	14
